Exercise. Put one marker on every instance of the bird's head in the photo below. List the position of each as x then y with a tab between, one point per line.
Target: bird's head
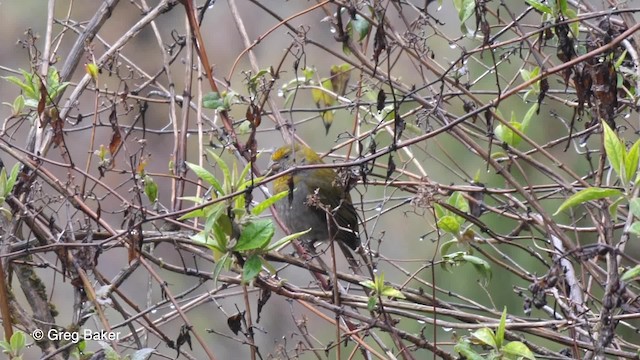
289	156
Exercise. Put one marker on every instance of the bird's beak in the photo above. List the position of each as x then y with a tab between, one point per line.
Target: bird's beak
273	168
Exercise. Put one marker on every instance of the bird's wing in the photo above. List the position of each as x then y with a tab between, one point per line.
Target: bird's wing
330	194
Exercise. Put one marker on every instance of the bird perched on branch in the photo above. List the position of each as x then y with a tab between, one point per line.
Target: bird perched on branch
315	199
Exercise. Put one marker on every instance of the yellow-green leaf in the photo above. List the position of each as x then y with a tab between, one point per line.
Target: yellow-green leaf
518	349
150	188
631	274
631	161
485	336
589	194
614	149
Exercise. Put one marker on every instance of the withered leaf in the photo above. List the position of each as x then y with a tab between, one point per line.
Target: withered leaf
391	167
113	116
379	42
116	141
265	294
235	322
253	115
544	87
183	337
399	126
56	126
382	97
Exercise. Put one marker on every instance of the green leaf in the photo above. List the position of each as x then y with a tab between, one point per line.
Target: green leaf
206	240
501	328
5	346
444	248
206	176
634	206
240	200
368	284
18	105
482	267
253	81
465	9
11	181
265	204
225	226
562	6
439	210
372	302
255	235
620	60
244	128
538	5
54	86
631	161
228	99
464	349
7	184
150	188
588	194
485	336
613	208
213	100
251	269
574	25
505	134
110	354
392	293
18	341
225	171
285	240
221	264
192	214
518	349
29	89
242	183
214	214
631	274
615	151
195	199
379	281
449	224
635	228
459	202
528	116
267	265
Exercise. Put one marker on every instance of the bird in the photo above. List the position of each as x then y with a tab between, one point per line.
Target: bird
315	200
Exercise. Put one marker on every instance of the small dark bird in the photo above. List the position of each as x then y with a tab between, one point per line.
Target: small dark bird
316	198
